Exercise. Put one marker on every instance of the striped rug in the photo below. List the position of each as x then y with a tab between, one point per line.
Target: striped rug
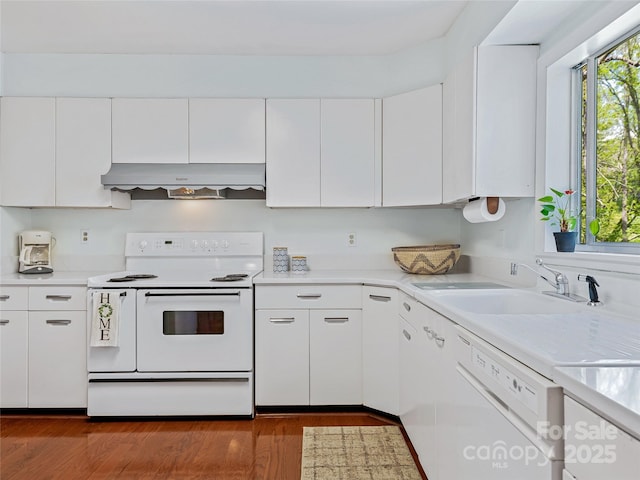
356	453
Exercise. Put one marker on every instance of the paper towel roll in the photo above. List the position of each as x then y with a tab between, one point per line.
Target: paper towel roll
477	211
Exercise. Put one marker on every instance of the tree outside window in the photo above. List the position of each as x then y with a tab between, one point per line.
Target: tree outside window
610	145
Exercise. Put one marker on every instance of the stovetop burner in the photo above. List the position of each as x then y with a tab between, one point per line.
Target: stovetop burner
231	277
132	277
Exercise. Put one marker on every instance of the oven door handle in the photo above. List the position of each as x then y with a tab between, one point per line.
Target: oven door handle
195	294
545	447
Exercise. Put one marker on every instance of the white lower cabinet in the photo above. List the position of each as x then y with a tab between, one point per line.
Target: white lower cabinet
380	349
426	394
308	353
335	357
57	359
596	449
14	340
43	347
282	357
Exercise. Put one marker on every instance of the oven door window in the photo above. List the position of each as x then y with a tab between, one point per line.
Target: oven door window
193	322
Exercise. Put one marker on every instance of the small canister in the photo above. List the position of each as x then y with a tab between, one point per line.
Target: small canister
280	259
299	264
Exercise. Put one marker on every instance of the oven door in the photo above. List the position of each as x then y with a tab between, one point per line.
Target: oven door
199	330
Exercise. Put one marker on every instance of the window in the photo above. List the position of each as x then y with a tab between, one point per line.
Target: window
608	134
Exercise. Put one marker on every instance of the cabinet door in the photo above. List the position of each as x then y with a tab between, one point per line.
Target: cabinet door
27	151
347	159
226	130
380	381
57	359
335	353
412	148
458	163
282	357
83	153
14	330
506	117
150	130
293	153
596	449
419	379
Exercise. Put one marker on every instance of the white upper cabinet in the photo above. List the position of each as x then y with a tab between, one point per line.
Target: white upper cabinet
489	124
150	130
293	153
27	151
320	152
412	148
347	153
226	130
83	153
53	152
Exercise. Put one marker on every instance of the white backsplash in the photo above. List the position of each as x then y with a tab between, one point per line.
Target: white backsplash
320	234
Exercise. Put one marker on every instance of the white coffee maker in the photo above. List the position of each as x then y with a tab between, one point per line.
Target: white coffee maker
35	252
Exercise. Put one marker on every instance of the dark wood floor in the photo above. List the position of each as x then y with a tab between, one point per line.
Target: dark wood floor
69	446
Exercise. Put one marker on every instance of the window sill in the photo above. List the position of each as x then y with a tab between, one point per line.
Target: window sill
606	262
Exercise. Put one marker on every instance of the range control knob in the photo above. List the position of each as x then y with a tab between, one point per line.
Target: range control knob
225	244
194	244
204	244
142	244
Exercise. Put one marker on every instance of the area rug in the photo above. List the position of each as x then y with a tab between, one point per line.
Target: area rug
356	453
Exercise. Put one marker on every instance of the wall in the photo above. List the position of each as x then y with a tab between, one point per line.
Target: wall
321	234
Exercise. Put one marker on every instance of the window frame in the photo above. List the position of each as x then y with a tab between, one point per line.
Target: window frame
591	245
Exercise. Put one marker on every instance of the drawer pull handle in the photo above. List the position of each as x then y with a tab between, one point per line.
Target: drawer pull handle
308	296
439	340
464	340
58	322
4	322
282	320
58	297
336	319
406	334
406	306
380	298
5	297
430	332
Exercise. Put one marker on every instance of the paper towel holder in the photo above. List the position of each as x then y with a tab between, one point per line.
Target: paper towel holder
493	203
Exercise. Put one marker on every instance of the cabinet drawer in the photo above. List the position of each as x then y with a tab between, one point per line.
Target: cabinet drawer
14	298
57	298
309	296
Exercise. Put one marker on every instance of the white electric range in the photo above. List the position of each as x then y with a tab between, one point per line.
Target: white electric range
181	342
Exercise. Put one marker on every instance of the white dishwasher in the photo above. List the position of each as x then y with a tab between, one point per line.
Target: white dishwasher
510	423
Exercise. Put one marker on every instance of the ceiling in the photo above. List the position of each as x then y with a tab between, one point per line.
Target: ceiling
240	27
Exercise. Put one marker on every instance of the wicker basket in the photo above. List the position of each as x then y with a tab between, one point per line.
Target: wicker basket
427	259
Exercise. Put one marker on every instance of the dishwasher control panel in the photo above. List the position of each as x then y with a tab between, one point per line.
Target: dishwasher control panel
516	386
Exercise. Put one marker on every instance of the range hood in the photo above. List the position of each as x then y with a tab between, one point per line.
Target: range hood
189	176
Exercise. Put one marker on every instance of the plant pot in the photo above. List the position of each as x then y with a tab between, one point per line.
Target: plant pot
565	241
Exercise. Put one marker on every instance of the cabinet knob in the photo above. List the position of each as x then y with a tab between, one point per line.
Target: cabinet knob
406	334
406	306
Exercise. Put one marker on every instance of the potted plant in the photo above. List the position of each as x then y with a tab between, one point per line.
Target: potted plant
556	209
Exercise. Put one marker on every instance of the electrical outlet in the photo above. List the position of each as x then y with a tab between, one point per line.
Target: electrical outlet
352	240
84	236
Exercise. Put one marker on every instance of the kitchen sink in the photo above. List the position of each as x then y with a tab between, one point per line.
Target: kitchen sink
504	302
458	285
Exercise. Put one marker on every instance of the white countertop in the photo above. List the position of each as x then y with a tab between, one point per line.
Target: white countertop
56	278
612	392
551	344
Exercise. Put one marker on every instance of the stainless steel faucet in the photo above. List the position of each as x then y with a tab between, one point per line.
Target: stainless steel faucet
560	281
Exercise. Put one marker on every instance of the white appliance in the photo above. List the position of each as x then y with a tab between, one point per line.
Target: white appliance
510	422
35	251
185	327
